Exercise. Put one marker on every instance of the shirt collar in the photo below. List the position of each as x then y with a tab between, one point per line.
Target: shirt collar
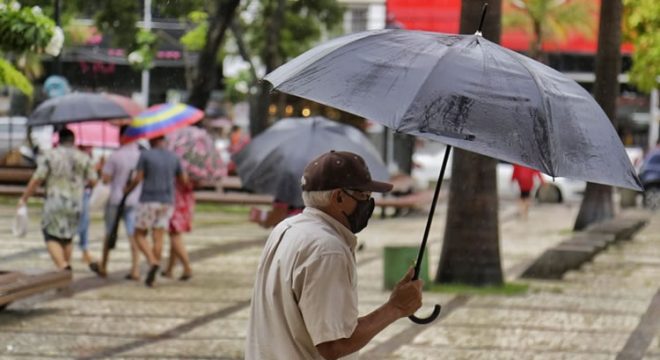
343	231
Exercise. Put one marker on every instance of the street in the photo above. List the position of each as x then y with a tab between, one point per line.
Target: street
609	308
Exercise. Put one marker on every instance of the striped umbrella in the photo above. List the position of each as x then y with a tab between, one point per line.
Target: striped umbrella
160	120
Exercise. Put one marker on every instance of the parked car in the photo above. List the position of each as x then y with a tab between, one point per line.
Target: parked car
428	160
649	174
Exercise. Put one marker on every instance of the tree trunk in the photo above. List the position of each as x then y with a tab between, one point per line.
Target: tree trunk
470	251
597	204
272	59
207	66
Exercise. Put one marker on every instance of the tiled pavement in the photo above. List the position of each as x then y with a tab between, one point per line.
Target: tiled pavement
608	309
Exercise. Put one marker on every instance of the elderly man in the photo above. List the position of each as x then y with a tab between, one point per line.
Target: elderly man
66	171
304	303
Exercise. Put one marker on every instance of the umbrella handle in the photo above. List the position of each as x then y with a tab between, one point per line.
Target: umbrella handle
422	247
427	320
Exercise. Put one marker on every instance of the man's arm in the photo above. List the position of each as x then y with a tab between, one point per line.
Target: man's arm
106	178
31	187
405	299
184	179
139	176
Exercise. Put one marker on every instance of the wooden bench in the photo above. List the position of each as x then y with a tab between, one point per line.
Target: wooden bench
233	198
15	174
15	285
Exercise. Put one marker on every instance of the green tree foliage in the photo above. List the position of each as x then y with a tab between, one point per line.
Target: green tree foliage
10	76
25	31
304	23
194	39
549	20
178	9
642	28
118	18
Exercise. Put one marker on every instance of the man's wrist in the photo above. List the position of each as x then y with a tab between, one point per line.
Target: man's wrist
392	310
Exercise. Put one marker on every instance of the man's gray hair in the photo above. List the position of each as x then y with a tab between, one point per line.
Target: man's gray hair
317	199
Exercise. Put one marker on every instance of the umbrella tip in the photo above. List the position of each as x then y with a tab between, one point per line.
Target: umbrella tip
483	16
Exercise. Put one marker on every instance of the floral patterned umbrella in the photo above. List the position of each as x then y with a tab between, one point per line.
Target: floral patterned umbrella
198	154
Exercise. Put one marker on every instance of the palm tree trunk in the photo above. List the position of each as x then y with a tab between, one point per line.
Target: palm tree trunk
273	59
597	204
470	251
207	67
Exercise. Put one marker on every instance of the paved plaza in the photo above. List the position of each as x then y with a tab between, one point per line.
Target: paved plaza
609	309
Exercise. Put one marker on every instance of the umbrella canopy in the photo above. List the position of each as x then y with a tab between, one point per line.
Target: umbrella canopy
464	91
160	120
273	162
199	157
132	107
95	133
77	107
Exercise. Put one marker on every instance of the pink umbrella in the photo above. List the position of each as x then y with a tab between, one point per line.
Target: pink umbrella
95	133
131	106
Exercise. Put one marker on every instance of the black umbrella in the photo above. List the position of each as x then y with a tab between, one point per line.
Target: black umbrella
464	91
273	162
77	107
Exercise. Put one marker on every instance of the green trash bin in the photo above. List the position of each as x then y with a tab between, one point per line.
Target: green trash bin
397	260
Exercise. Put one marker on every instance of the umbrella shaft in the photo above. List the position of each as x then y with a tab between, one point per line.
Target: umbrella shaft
422	247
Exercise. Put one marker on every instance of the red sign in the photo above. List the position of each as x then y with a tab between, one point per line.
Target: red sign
444	16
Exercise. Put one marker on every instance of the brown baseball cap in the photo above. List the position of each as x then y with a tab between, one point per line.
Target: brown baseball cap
340	170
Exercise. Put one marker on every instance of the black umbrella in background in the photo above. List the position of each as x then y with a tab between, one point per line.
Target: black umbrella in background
77	107
464	91
273	162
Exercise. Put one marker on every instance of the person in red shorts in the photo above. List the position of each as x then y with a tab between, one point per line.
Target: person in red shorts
524	176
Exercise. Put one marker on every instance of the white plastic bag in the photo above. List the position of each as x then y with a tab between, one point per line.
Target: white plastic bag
20	223
99	197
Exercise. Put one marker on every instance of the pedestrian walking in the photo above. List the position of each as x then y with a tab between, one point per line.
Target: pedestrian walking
524	177
180	222
157	170
304	302
83	225
117	172
65	171
203	166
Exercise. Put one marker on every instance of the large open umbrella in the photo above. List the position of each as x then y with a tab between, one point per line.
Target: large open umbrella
199	157
273	162
160	120
78	107
464	91
95	133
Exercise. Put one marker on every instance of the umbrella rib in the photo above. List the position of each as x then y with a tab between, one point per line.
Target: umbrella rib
449	51
303	67
552	169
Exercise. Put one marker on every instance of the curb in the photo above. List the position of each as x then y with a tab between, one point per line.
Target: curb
581	247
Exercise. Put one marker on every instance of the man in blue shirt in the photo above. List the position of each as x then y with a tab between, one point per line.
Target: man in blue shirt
157	169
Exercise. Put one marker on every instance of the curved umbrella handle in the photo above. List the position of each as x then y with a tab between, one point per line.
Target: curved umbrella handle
422	247
427	320
436	308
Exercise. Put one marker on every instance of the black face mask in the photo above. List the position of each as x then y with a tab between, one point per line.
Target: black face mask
359	218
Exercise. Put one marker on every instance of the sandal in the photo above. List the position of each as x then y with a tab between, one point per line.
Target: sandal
94	266
131	277
185	277
151	276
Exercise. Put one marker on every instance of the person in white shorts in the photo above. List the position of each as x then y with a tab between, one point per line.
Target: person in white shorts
157	170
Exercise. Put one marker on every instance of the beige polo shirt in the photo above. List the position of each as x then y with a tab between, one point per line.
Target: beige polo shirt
305	292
